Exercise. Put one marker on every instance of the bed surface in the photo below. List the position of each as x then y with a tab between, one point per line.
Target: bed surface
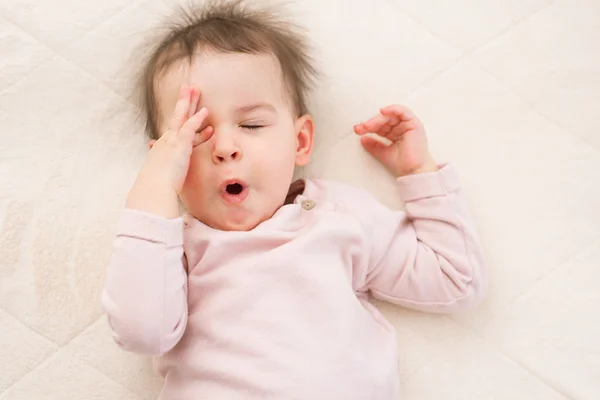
509	92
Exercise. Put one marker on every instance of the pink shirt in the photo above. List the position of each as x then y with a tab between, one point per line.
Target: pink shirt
282	311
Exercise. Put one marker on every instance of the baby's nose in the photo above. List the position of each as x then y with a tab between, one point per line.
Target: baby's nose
224	156
226	150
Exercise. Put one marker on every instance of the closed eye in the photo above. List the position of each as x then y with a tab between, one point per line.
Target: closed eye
252	127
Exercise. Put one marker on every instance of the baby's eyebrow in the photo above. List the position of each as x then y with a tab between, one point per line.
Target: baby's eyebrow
254	107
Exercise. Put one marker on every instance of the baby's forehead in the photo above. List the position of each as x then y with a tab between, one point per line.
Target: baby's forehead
223	79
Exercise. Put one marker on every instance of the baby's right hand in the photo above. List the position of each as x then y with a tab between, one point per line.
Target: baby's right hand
169	157
161	179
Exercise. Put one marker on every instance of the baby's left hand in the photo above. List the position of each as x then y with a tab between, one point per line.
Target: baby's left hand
408	153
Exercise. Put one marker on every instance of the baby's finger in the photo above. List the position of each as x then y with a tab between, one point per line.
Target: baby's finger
373	125
181	109
193	124
194	101
203	135
400	112
399	130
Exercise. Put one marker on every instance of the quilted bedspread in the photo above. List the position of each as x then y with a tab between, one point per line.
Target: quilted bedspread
509	92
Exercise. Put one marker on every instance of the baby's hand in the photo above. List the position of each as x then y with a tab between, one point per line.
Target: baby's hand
169	157
161	179
408	152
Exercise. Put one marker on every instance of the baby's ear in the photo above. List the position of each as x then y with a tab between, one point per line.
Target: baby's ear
304	137
151	143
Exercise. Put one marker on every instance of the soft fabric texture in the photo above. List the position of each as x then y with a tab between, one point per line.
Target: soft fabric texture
507	90
281	311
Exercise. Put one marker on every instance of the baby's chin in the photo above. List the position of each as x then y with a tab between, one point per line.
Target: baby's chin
233	227
233	223
252	212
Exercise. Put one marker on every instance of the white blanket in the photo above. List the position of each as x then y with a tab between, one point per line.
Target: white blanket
508	90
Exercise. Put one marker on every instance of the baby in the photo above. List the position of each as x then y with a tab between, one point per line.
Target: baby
261	290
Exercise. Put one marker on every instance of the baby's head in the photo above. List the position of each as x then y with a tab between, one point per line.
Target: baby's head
253	72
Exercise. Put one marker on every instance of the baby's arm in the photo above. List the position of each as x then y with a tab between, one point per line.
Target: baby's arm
428	257
145	294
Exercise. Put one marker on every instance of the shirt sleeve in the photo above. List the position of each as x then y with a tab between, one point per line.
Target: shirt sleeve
428	256
145	292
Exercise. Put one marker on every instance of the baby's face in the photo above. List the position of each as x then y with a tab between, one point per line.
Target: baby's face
241	175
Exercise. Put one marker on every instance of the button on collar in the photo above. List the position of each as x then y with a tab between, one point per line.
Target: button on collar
308	204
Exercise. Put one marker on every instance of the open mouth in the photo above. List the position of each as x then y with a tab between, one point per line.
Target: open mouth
234	188
234	192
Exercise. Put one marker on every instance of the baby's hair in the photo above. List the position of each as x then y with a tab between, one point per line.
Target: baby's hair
227	26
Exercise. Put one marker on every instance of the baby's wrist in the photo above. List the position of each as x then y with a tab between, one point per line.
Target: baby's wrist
427	167
154	197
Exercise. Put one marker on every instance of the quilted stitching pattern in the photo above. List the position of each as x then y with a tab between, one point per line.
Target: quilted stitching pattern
508	91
